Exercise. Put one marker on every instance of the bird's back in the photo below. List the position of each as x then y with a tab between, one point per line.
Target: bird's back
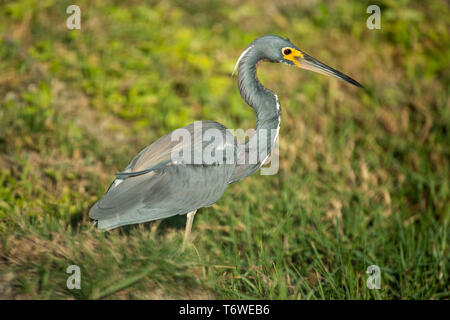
157	184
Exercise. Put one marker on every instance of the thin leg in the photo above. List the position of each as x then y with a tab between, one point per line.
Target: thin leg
187	232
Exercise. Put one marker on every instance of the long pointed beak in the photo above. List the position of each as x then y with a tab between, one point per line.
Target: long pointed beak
309	63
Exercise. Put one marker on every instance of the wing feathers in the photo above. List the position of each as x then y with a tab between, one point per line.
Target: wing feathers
125	174
153	186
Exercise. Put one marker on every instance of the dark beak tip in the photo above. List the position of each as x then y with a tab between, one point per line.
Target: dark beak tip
353	82
359	85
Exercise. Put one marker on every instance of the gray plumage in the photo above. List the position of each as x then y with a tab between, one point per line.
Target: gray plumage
157	185
170	188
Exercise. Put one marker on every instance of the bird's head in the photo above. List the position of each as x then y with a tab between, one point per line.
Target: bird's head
279	50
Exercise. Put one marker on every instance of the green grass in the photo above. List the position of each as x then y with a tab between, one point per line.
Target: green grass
364	174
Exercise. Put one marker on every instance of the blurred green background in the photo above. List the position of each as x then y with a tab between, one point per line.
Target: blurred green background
364	174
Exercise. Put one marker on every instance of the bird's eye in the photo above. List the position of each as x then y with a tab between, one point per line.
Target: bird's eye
287	51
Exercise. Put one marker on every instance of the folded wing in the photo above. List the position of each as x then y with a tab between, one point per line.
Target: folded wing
156	184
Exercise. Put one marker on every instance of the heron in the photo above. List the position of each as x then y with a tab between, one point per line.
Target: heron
157	185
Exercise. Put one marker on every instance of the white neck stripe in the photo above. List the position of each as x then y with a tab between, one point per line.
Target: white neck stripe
240	58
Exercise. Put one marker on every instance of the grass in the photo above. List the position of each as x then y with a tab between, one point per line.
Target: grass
364	174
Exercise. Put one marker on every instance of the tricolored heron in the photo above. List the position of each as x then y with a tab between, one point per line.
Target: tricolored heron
156	185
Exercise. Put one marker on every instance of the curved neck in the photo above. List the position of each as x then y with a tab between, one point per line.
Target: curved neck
264	102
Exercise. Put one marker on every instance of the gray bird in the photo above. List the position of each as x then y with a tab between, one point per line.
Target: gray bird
164	179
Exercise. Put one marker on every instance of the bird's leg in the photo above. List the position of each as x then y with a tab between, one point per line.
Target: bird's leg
187	232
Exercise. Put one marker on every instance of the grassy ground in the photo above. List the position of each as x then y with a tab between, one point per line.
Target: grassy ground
364	175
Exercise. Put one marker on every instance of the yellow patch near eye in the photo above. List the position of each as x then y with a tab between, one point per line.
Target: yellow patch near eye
292	55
